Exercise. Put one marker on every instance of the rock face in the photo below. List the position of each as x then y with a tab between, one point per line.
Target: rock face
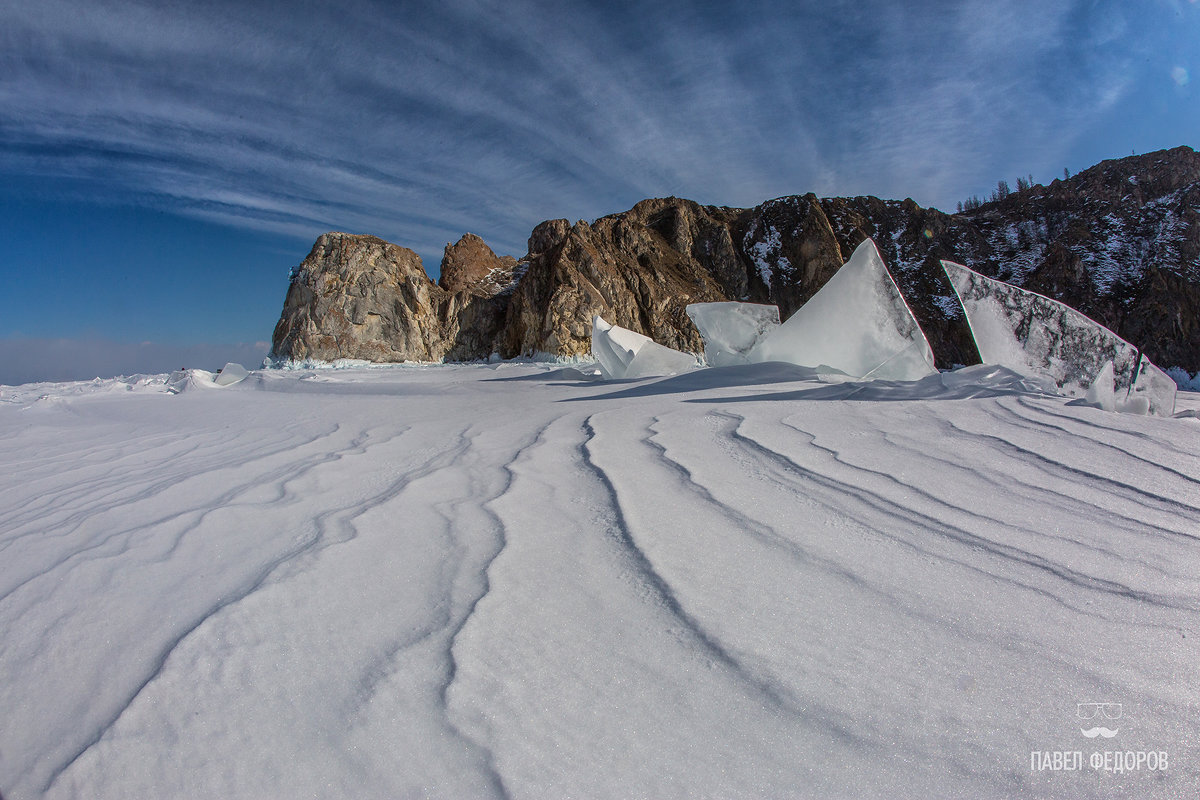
479	284
1120	242
361	297
470	265
638	270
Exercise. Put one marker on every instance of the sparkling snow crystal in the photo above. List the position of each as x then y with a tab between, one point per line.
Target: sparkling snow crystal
1036	335
857	323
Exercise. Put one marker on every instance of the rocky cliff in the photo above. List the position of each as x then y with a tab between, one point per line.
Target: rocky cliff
639	270
1120	242
361	297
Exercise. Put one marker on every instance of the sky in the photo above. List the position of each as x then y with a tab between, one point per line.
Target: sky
164	164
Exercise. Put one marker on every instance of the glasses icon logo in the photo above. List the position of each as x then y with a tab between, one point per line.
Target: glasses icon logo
1100	712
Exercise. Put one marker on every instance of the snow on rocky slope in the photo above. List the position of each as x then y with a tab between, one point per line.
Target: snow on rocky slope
505	581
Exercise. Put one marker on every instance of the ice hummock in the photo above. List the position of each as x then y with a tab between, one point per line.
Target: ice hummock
1033	334
731	330
858	323
230	374
184	379
623	353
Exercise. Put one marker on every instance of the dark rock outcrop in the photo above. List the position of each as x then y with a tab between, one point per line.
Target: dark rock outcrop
639	270
1120	242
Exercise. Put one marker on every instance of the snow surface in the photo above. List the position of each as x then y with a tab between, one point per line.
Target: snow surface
508	581
857	323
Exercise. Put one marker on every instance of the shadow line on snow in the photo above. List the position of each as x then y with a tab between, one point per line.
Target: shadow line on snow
770	690
919	520
822	383
710	378
927	389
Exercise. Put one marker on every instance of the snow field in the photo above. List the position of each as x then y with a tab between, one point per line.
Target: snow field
502	580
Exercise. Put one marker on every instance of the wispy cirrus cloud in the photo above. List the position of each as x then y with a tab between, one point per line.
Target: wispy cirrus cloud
419	123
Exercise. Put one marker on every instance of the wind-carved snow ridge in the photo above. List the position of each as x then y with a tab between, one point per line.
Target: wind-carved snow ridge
645	567
446	486
484	499
857	323
473	725
727	583
323	534
937	523
809	709
1035	335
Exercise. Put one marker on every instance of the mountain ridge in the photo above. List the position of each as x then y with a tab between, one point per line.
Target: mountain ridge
1119	241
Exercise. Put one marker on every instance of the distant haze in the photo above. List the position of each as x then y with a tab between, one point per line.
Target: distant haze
29	360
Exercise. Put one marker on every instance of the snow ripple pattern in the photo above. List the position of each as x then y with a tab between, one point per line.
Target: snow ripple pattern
508	581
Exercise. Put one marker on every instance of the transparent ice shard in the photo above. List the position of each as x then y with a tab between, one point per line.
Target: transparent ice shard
731	330
857	323
230	374
655	359
622	353
1032	334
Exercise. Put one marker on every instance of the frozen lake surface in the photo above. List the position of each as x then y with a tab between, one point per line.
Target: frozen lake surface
508	581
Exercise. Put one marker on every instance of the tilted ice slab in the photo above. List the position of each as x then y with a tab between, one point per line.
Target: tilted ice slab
185	379
857	323
623	353
731	330
1033	334
230	374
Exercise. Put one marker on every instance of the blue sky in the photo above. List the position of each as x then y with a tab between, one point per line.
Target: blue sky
163	165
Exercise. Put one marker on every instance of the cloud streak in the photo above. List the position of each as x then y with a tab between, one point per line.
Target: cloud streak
418	124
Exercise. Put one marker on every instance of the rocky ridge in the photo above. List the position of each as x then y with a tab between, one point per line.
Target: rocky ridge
358	296
1119	241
